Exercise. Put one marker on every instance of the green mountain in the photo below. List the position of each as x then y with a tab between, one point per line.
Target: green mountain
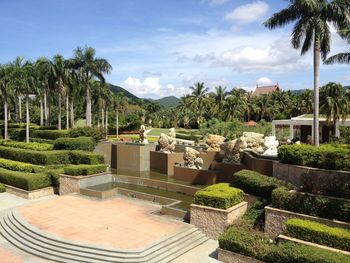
168	102
116	89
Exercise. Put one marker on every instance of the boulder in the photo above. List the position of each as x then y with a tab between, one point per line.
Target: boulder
214	142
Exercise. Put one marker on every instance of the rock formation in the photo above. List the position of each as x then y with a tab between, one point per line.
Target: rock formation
167	142
271	145
143	135
231	151
214	142
192	159
252	141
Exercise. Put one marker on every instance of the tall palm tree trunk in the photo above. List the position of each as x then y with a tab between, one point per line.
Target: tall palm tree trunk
117	124
317	59
27	118
88	106
16	109
20	107
41	112
5	119
102	117
45	109
107	121
59	110
72	114
67	112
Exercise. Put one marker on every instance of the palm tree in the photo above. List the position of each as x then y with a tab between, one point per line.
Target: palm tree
220	98
17	80
343	58
313	18
5	82
119	105
89	67
198	97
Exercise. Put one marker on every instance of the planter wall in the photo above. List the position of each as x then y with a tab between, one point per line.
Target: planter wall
164	162
232	257
194	176
29	194
260	165
213	221
276	219
105	148
225	171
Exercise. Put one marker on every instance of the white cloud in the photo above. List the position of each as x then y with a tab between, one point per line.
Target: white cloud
264	81
248	13
217	2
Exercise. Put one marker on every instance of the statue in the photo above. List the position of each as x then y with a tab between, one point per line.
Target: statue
231	151
214	142
252	141
192	159
167	142
143	135
271	145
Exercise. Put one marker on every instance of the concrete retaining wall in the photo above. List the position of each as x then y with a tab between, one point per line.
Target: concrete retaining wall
29	194
232	257
164	162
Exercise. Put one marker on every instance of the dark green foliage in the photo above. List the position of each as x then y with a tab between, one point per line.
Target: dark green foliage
29	146
255	214
221	196
82	157
42	140
309	204
327	156
256	183
26	181
85	169
2	188
54	175
79	143
48	134
319	233
20	166
96	133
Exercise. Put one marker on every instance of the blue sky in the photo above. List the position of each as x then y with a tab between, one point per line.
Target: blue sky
161	47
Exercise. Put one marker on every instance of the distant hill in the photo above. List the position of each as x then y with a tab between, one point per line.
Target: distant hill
298	91
116	89
168	102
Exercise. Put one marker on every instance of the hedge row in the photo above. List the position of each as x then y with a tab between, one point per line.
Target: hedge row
327	156
96	133
26	181
245	241
319	233
20	166
50	157
2	188
221	196
48	134
79	143
84	169
256	183
29	146
309	204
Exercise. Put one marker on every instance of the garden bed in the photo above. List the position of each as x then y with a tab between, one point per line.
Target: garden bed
30	194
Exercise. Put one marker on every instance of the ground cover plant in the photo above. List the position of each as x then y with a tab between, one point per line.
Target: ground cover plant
29	146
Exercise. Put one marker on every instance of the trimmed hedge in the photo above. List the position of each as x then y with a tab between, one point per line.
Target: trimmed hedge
26	181
327	156
81	157
79	143
319	233
54	175
84	169
2	188
256	183
96	133
309	204
41	140
48	134
29	146
221	196
20	166
251	243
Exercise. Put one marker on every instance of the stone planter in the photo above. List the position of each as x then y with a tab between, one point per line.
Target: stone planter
164	162
276	219
29	194
260	165
213	221
105	148
194	176
232	257
72	184
224	171
208	158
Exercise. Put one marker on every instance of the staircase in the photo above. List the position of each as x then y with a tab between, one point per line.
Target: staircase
34	241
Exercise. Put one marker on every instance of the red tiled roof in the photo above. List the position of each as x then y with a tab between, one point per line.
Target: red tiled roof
266	89
250	123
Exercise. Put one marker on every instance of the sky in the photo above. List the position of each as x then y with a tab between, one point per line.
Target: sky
160	48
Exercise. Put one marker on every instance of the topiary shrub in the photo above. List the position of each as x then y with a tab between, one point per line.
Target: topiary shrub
29	146
85	169
256	183
79	143
20	166
96	133
319	233
221	196
2	188
49	134
309	204
81	157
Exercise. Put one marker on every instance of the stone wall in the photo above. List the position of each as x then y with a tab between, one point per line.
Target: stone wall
232	257
194	176
29	194
213	221
164	162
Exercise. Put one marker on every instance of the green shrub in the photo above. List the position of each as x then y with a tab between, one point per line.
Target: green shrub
85	169
42	140
81	157
2	188
221	196
54	175
319	233
79	143
49	134
255	183
26	181
327	156
309	204
29	146
255	214
20	166
96	133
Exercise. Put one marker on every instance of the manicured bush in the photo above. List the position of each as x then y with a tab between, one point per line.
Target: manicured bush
221	196
255	214
29	146
49	134
2	188
20	166
42	140
82	157
327	156
54	175
256	183
26	181
309	204
79	143
319	233
85	169
96	133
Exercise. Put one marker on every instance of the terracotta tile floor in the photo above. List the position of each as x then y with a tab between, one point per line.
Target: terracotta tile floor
8	257
116	222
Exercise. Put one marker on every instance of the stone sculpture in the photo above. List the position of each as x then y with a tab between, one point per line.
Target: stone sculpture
252	141
143	135
231	151
192	159
167	142
271	145
214	142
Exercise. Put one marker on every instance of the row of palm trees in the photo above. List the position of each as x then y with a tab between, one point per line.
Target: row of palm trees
53	81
